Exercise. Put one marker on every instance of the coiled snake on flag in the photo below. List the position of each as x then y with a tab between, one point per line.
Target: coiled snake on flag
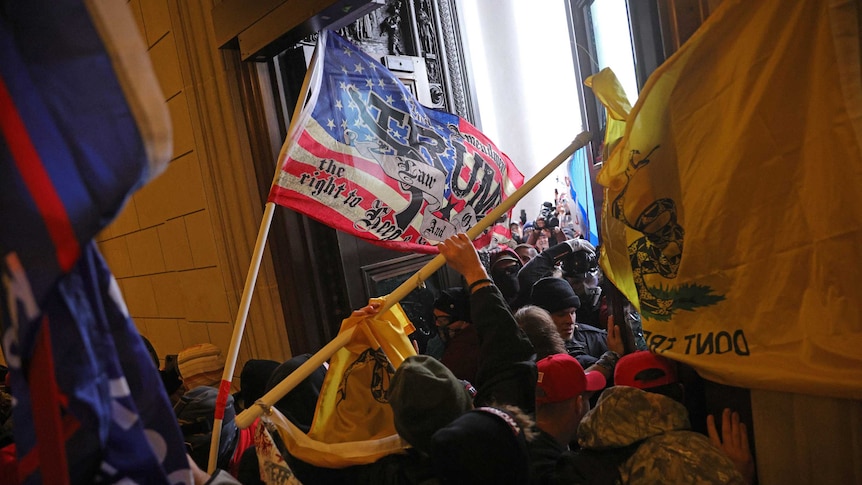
658	251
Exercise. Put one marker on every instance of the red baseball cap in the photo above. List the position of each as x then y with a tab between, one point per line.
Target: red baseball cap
644	369
561	377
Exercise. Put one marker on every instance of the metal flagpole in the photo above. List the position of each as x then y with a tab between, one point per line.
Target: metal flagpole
245	418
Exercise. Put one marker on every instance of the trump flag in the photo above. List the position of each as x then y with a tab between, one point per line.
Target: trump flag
365	157
82	125
732	215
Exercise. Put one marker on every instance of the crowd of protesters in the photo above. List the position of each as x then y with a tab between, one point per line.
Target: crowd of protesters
526	381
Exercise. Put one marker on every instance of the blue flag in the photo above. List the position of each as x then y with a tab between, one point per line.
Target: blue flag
581	188
82	125
113	419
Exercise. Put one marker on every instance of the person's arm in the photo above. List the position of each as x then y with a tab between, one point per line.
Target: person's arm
368	310
615	339
499	334
543	265
506	372
534	270
532	237
608	361
558	236
733	442
461	256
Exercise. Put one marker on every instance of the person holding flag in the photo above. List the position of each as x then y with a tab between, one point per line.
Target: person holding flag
363	156
425	396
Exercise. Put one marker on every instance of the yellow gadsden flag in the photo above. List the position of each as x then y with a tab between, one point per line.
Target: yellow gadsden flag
732	215
611	94
353	422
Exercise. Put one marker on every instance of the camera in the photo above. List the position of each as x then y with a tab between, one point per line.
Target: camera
579	264
547	212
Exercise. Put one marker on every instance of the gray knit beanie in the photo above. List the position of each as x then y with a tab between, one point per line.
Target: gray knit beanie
425	396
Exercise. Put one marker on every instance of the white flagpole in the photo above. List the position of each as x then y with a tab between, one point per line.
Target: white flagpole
238	328
254	268
248	416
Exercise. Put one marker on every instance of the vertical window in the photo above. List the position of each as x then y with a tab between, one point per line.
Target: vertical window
613	42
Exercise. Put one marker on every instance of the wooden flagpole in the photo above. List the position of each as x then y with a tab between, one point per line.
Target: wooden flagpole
254	268
247	417
238	329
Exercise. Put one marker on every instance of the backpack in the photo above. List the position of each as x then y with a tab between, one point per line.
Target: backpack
195	413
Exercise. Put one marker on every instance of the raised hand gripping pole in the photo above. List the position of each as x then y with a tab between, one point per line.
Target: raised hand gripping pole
248	416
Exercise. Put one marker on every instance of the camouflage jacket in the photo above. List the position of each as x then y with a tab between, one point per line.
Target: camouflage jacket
669	452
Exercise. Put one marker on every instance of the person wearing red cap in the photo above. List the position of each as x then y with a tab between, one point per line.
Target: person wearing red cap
644	436
650	372
563	392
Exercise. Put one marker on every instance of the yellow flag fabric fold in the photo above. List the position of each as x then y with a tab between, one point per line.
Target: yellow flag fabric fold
611	94
731	214
329	455
352	404
353	422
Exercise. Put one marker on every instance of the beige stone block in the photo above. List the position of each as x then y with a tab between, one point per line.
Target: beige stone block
169	295
184	138
206	300
157	19
153	201
201	239
193	333
186	187
127	220
166	63
121	282
104	234
175	245
116	254
145	252
164	334
143	329
220	335
140	298
177	192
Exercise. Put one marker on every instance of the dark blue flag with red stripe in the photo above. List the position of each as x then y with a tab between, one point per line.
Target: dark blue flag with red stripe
83	124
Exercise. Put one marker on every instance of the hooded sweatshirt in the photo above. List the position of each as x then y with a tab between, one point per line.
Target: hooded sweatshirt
669	452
